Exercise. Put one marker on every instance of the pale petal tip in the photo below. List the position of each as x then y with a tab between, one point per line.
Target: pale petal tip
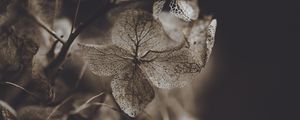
213	22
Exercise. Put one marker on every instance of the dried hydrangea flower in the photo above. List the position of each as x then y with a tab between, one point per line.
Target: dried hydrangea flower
139	54
183	9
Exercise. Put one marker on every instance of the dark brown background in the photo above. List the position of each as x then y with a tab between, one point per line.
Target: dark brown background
256	44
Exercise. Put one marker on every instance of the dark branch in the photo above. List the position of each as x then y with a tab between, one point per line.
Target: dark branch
52	69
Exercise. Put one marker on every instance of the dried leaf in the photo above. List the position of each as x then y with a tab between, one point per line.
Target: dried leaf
105	60
136	30
132	90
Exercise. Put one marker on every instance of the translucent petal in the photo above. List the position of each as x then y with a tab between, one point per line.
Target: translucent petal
136	31
157	7
172	69
197	40
184	10
190	8
132	90
178	66
202	34
105	60
211	31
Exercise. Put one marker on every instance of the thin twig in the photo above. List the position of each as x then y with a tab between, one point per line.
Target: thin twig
22	88
111	107
86	104
75	16
45	27
94	97
57	107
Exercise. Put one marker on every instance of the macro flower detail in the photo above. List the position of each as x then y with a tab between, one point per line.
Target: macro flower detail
157	7
141	54
183	9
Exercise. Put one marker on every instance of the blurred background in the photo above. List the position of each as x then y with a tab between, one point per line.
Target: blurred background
250	76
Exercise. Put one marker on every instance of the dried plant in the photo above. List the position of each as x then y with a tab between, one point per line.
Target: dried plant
142	54
137	55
